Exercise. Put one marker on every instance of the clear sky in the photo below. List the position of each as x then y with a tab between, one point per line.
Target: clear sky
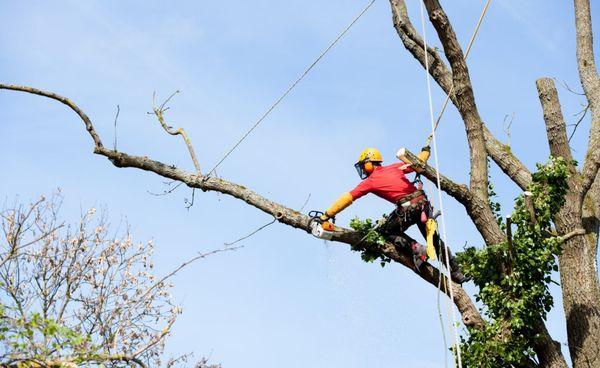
286	298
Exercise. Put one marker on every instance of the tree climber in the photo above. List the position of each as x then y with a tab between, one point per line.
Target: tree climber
412	206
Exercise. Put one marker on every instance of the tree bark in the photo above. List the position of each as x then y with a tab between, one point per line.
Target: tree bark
578	268
578	261
500	153
285	215
481	141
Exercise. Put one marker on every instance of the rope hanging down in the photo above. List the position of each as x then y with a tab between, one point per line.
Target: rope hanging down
475	32
434	126
439	192
292	86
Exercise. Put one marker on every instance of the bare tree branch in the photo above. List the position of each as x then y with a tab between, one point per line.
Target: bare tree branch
500	153
285	215
465	100
415	45
585	48
555	123
506	160
590	82
64	100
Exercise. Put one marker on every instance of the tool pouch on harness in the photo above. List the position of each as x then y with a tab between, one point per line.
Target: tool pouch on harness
409	210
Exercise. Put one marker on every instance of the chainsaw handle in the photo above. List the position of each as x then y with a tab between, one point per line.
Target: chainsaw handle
316	216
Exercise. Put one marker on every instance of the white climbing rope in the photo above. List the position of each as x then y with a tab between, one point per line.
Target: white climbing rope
439	191
432	137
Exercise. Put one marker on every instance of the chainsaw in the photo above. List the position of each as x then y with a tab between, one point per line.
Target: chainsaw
319	228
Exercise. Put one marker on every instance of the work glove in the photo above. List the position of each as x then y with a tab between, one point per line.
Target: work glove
324	217
424	154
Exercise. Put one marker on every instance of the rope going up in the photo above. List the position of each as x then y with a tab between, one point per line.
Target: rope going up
439	191
292	86
434	126
471	41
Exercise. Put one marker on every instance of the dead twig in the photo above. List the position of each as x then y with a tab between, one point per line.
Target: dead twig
159	112
116	119
305	203
506	124
252	233
566	86
190	203
583	114
166	192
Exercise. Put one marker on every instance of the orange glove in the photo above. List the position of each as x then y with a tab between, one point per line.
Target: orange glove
339	205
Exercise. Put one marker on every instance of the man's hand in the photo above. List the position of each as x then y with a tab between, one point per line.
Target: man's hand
424	154
324	217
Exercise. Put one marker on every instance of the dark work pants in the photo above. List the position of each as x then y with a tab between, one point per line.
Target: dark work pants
404	217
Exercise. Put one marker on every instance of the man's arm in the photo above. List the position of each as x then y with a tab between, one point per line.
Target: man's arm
346	199
339	205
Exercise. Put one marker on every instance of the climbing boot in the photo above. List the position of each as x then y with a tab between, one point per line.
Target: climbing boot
455	274
458	277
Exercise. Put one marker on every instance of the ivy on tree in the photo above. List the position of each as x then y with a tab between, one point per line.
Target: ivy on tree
513	280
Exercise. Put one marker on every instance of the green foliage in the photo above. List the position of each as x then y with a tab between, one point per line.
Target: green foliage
18	334
513	280
370	247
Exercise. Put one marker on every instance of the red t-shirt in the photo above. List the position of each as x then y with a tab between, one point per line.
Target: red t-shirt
388	182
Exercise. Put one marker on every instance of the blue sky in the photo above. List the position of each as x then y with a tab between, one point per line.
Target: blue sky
285	299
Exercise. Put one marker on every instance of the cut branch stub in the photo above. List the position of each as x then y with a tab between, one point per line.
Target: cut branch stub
528	198
510	243
458	191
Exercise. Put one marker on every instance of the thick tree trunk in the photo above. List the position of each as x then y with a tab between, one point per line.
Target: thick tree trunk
578	259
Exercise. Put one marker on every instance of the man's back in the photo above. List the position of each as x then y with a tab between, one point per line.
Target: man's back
388	182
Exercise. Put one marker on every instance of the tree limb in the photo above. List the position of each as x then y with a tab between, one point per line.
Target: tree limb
465	100
288	216
86	120
506	160
478	210
590	81
460	192
285	215
555	125
586	62
415	45
499	152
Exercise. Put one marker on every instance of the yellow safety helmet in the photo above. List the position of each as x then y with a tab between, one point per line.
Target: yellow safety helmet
368	158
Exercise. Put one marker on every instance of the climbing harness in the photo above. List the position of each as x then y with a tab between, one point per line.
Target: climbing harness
291	87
